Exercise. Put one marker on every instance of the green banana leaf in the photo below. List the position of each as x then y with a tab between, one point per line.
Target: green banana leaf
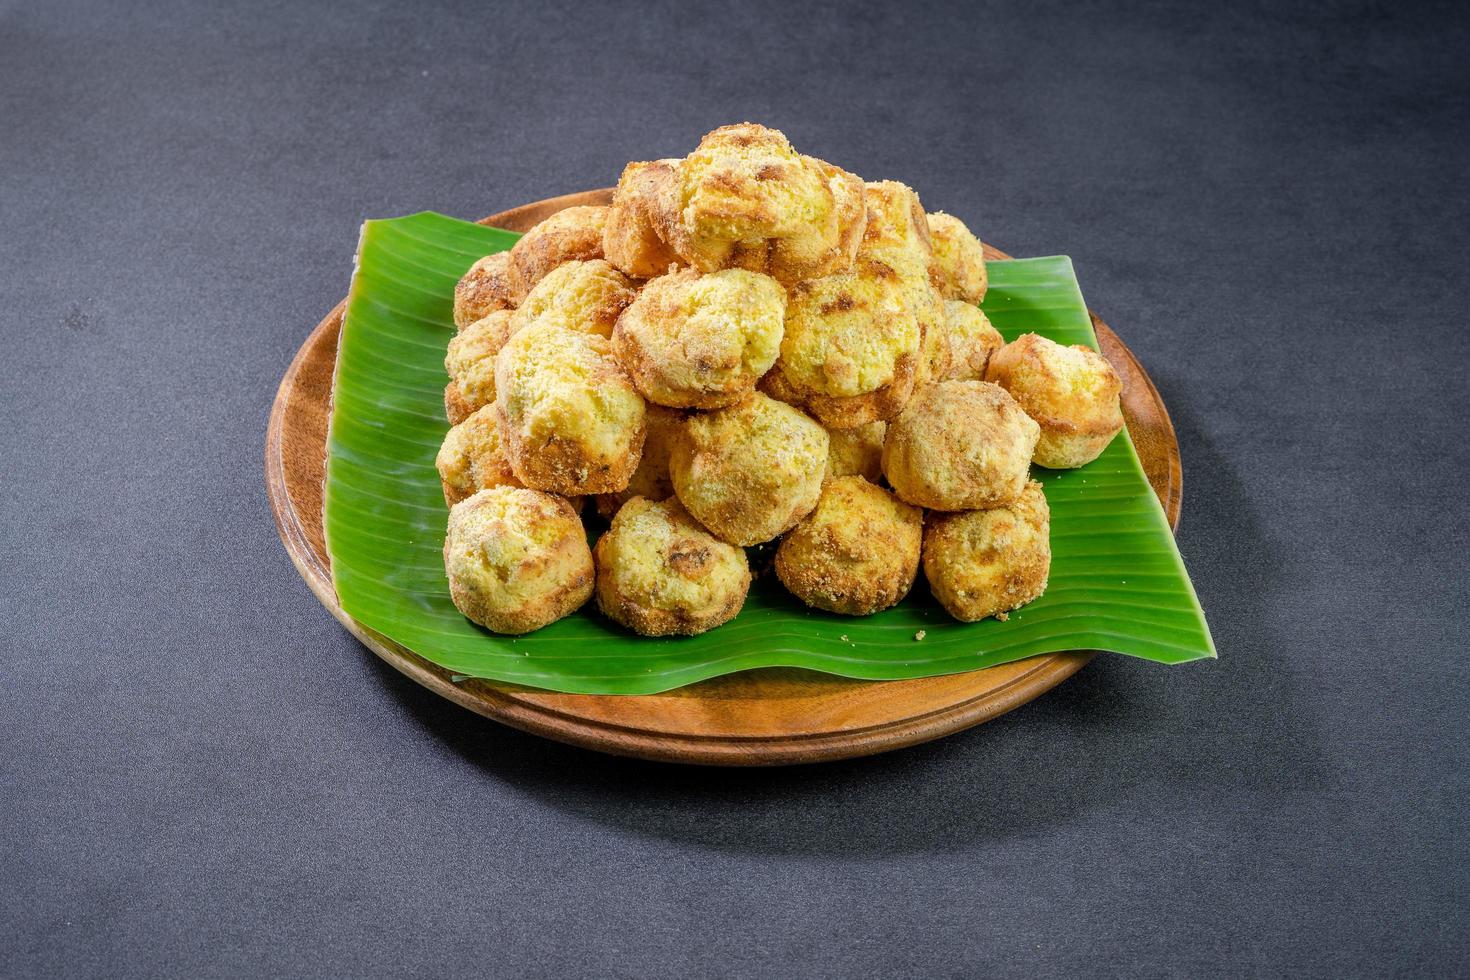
1117	581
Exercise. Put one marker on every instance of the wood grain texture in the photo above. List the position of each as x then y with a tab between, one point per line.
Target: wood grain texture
760	717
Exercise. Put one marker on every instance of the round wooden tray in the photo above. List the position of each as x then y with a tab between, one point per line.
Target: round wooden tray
760	717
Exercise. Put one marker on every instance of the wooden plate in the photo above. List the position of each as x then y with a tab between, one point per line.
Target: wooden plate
761	717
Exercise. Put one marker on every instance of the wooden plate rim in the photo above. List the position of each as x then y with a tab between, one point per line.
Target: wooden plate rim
501	702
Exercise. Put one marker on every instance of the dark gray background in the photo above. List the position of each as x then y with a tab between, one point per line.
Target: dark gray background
203	774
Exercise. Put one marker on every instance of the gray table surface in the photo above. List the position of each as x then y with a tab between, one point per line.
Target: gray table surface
203	774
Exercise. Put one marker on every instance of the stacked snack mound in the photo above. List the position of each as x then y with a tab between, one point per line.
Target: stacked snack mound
750	347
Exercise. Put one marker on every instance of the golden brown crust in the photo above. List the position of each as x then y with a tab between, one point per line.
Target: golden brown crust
745	199
456	409
935	352
848	412
959	445
571	419
569	235
959	259
1073	393
489	285
473	458
856	553
849	354
987	562
632	239
470	358
972	341
587	295
516	559
651	479
701	341
750	471
898	229
661	574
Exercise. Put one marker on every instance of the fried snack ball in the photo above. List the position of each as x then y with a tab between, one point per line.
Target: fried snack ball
470	359
972	341
516	559
856	452
701	341
473	458
987	562
935	352
567	236
897	229
744	198
1073	393
959	445
856	553
632	239
959	259
660	574
490	285
578	295
851	346
571	419
651	479
456	409
750	471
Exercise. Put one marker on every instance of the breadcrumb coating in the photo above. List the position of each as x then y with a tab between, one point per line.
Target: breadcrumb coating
856	452
959	445
988	562
1073	393
897	229
660	574
473	458
490	284
744	198
972	341
572	421
456	409
580	295
516	559
470	359
856	553
651	479
850	348
701	341
750	471
633	239
959	259
935	352
569	235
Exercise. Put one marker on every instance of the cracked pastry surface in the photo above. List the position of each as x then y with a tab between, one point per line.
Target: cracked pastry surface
1073	393
489	285
571	419
635	236
856	553
660	573
701	341
959	259
586	295
470	359
569	235
744	198
750	471
959	445
516	559
972	340
983	563
472	457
